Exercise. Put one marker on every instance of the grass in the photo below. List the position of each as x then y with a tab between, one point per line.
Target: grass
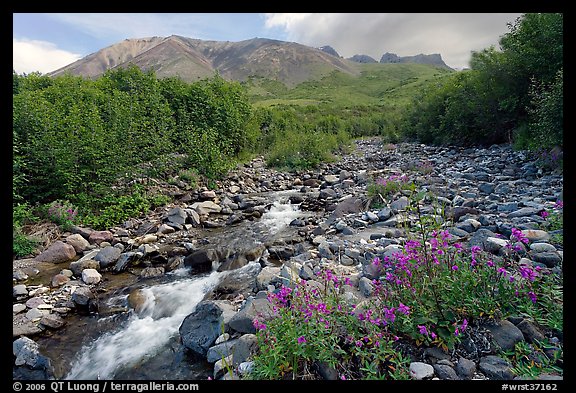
377	84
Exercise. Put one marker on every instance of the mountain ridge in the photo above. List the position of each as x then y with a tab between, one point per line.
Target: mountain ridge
193	59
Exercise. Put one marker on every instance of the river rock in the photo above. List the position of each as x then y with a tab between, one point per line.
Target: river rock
124	259
52	321
268	275
495	367
201	328
550	259
242	280
176	215
258	308
58	252
151	272
530	332
465	368
79	243
30	363
201	260
419	370
19	290
91	276
85	299
107	256
536	235
206	207
58	280
505	334
97	237
78	266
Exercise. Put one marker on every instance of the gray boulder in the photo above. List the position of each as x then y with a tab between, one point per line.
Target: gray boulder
201	328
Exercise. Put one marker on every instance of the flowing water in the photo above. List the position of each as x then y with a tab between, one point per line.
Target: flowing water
144	344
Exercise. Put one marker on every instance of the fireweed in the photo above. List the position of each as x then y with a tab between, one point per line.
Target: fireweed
383	187
428	293
62	213
313	325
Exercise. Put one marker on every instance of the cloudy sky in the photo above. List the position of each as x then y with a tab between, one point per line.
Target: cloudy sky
46	42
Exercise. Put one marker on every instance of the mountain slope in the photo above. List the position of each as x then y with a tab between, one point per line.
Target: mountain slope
288	62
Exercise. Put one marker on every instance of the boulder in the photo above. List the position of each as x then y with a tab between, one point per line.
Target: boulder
58	252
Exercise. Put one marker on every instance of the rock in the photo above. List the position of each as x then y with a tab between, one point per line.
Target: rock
52	321
399	204
495	244
222	338
166	229
78	266
207	195
138	300
536	235
465	368
35	302
124	260
19	275
18	308
347	206
222	367
530	332
486	188
245	368
107	256
384	214
201	328
495	367
542	247
506	334
26	352
331	179
365	286
193	217
151	272
97	237
242	280
58	280
91	276
268	275
550	259
34	314
220	351
327	193
77	241
206	207
176	215
85	299
201	260
445	372
523	212
260	309
327	372
58	252
19	290
419	370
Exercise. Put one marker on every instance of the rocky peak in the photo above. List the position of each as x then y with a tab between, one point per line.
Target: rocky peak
362	59
328	49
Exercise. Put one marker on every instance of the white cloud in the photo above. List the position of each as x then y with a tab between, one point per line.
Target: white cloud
452	35
33	55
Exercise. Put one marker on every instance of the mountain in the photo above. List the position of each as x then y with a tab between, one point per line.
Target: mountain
193	59
433	59
362	59
328	49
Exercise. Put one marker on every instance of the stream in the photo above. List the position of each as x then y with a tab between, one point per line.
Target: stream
145	344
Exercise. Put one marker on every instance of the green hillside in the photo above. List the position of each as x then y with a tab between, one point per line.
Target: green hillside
377	84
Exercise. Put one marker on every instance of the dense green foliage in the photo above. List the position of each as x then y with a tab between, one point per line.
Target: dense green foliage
512	95
73	138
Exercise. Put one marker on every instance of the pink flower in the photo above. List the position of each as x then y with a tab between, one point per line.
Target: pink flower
422	329
301	340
